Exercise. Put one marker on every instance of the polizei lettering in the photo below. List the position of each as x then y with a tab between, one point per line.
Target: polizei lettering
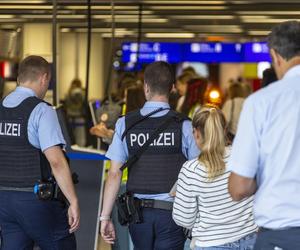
164	139
10	129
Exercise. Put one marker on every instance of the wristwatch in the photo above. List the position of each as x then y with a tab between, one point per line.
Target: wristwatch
104	217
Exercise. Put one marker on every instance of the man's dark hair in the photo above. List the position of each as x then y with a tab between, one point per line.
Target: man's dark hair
31	68
160	77
285	39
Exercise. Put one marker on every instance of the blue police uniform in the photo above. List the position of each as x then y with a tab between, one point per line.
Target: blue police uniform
23	218
158	229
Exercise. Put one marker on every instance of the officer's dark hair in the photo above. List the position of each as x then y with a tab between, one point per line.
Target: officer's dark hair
160	78
285	39
31	68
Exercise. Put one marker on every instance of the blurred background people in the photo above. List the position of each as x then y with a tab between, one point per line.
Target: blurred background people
236	94
269	76
194	97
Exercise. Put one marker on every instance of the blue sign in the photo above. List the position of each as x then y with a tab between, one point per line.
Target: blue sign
151	52
209	52
213	52
256	52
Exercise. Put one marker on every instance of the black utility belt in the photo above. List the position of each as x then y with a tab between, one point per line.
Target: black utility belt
130	208
18	189
159	204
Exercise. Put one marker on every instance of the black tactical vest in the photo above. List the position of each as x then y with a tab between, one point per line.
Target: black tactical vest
157	169
20	162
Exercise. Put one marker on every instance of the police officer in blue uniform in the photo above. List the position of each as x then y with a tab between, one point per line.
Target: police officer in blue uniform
31	144
152	176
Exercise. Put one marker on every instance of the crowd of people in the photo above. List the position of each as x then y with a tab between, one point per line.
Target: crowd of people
237	187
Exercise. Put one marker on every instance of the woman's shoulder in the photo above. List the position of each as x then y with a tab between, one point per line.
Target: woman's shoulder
194	167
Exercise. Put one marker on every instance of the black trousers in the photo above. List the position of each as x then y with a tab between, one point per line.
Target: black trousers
286	239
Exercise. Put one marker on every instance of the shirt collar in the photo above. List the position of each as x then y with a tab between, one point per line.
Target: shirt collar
292	71
151	104
25	90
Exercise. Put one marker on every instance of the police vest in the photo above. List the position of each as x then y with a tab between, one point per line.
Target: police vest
20	162
157	169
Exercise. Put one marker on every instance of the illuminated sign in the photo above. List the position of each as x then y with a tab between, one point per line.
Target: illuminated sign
210	52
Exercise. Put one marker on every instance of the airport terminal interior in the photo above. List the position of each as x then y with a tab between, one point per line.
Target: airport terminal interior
98	50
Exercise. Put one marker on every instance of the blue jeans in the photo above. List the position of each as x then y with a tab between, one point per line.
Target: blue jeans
245	243
24	220
287	239
157	232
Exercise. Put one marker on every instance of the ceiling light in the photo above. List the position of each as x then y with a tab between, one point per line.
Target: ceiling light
6	16
27	7
136	20
170	35
258	32
65	30
214	17
101	7
183	7
181	2
250	20
262	12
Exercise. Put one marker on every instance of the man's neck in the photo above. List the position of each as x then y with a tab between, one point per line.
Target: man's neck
158	98
291	63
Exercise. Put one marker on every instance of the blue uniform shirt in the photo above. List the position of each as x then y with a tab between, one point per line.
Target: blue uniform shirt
43	127
267	146
118	150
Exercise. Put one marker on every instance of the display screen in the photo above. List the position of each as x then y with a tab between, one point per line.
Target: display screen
151	52
209	52
213	52
256	52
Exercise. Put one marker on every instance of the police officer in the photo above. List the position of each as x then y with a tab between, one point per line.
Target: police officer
31	140
153	175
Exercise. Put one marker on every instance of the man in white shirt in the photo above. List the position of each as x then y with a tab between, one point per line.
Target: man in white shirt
266	152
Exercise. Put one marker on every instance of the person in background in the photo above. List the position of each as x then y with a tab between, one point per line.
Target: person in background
151	177
74	105
269	76
181	86
266	150
32	153
194	97
202	202
232	108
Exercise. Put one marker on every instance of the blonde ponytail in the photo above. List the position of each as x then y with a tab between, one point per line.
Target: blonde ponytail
212	125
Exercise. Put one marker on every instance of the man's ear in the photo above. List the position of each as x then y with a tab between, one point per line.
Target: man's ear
276	57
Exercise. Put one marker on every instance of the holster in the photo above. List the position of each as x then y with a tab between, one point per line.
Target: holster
129	209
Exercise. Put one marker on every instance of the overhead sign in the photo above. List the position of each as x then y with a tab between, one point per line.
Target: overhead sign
212	52
209	52
151	52
256	52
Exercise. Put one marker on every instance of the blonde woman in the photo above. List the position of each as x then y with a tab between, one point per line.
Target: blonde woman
202	201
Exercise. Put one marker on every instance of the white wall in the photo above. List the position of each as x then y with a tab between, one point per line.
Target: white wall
37	40
67	63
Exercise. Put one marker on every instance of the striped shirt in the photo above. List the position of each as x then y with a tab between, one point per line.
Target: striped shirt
206	207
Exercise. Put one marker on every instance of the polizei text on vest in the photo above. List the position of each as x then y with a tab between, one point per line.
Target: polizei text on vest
10	129
164	139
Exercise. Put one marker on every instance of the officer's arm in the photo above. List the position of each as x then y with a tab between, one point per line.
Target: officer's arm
61	172
112	186
241	187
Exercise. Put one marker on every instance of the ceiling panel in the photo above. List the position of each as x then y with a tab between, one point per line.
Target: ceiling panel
190	19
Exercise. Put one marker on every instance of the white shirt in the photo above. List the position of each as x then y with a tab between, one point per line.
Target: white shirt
207	207
267	147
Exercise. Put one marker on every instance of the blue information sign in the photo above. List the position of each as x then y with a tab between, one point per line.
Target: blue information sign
209	52
151	52
256	52
213	52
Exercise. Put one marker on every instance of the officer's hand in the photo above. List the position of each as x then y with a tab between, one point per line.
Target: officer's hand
108	231
74	217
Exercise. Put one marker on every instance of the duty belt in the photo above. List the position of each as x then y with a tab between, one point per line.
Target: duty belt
149	203
21	189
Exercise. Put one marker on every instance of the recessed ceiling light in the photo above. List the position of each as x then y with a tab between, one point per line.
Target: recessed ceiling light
170	35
